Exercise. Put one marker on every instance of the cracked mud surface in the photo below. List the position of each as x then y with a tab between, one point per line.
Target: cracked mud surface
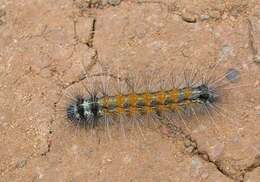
48	46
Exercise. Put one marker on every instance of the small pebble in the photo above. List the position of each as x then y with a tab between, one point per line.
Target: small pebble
188	17
257	59
233	75
204	17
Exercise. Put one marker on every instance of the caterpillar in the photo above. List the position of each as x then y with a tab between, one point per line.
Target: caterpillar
194	94
90	109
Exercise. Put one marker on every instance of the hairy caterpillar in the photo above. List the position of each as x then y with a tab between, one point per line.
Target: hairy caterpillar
90	109
181	95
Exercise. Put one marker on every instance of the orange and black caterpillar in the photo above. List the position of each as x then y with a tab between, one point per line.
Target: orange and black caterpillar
89	111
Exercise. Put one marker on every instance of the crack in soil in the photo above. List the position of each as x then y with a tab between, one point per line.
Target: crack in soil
218	164
252	167
91	36
49	136
173	8
252	41
94	61
192	148
42	34
205	156
90	41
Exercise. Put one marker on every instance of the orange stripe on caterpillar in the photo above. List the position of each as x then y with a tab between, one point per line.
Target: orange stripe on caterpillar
160	96
147	98
175	93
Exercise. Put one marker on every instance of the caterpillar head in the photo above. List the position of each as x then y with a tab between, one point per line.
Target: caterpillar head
83	110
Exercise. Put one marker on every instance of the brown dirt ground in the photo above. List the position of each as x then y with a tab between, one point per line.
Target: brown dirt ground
46	44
